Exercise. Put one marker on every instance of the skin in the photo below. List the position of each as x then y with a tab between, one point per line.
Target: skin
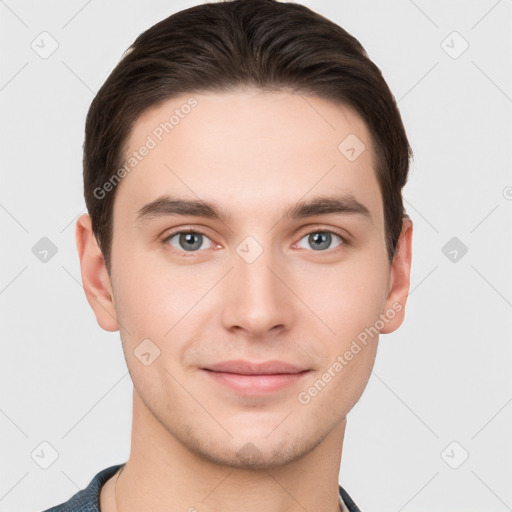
253	153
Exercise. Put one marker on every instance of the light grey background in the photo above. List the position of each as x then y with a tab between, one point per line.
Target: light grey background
443	377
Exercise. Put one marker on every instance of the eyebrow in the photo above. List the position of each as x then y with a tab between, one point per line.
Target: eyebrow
167	206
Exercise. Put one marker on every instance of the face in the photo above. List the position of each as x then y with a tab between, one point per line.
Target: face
250	296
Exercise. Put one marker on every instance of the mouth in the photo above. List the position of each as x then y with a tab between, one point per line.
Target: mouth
249	378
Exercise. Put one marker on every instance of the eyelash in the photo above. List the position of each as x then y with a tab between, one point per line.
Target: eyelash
344	240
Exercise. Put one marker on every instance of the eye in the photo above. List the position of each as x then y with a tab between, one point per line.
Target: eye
190	241
187	241
321	240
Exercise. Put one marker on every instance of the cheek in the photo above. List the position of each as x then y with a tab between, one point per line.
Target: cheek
144	299
153	310
160	304
346	297
334	390
349	382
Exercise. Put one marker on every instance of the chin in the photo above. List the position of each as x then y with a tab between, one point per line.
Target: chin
259	451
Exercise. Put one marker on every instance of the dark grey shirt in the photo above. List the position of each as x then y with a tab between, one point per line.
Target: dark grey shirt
88	499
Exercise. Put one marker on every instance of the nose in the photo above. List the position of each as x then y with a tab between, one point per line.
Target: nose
257	295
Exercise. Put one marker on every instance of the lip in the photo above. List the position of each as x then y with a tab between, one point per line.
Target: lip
249	378
247	368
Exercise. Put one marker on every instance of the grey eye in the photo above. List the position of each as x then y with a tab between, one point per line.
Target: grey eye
320	240
188	241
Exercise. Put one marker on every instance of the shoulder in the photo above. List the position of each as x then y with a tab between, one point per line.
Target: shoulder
87	500
348	504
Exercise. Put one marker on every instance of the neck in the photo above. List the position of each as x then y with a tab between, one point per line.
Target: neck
162	474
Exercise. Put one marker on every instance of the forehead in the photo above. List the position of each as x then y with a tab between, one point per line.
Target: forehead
248	148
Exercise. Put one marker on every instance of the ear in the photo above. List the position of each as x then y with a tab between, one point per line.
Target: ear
399	280
95	278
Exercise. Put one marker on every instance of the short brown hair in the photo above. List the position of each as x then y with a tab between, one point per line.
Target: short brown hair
216	47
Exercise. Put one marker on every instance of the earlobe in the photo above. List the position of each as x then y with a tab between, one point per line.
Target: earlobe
399	280
95	278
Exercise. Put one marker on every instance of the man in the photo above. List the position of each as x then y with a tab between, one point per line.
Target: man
243	171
